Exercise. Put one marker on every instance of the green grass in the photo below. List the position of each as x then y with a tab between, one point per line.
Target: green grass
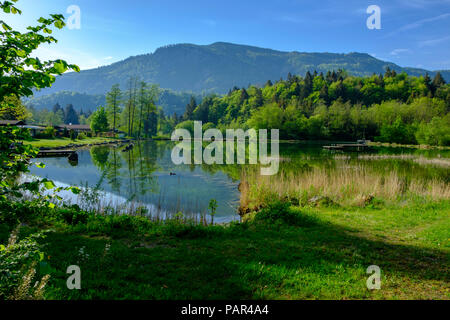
62	142
321	254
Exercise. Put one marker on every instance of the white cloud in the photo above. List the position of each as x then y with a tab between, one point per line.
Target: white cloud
433	42
419	23
397	52
82	59
419	4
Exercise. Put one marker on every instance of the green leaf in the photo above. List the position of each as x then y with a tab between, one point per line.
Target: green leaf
59	24
2	247
40	165
49	185
75	190
60	67
51	205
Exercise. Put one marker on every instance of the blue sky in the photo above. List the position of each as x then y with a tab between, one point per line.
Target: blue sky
414	33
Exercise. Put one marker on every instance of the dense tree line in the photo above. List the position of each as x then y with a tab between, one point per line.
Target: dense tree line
57	115
133	111
335	106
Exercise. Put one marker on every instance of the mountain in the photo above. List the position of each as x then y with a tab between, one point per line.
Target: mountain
219	67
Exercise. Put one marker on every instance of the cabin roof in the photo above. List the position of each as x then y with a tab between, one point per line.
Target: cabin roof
11	122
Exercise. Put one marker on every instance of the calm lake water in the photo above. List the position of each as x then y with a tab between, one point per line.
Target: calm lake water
143	176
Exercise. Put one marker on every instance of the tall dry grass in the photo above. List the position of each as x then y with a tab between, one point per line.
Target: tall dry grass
344	186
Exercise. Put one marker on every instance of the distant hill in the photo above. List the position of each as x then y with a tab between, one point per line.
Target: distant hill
219	67
80	101
170	101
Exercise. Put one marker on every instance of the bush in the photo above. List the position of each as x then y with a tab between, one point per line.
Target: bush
18	261
280	212
188	125
397	132
435	133
48	133
81	136
66	133
73	134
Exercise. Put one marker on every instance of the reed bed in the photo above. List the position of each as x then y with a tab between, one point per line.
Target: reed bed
340	185
441	162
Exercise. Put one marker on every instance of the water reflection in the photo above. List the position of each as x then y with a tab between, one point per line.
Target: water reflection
146	175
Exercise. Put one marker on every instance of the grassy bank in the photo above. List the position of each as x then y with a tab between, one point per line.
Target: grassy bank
62	142
345	184
281	252
411	146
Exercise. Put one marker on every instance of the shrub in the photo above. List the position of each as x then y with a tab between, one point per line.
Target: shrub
435	133
81	136
48	133
18	261
280	212
397	132
65	133
73	134
187	125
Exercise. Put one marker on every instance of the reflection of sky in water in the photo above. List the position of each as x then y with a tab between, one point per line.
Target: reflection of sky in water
147	180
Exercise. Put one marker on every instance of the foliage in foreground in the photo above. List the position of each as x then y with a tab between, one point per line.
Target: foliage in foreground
18	263
280	252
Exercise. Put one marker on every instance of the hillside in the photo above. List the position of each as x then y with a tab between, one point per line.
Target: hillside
218	67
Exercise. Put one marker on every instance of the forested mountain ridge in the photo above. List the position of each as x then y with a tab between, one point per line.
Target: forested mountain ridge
219	67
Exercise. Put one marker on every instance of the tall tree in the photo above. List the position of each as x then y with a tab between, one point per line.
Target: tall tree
113	98
142	104
70	115
57	108
151	114
99	120
438	81
190	108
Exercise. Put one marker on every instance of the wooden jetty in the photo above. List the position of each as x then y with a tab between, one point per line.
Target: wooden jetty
355	147
55	153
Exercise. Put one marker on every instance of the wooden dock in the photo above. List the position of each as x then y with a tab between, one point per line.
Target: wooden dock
356	147
55	153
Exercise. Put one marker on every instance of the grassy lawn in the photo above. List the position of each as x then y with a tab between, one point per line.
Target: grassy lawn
61	142
323	255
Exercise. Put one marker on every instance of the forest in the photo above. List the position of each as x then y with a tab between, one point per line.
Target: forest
335	106
394	108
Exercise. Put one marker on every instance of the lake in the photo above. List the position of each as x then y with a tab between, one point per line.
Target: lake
146	176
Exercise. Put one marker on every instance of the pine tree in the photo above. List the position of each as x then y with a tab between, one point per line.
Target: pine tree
70	115
190	108
56	108
438	81
244	96
388	73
